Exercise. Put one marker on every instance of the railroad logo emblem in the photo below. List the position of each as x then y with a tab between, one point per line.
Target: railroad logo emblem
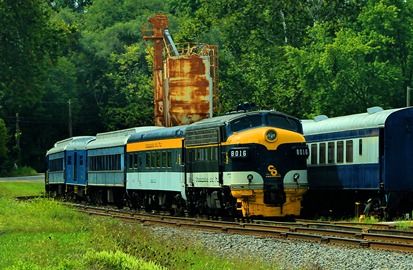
273	171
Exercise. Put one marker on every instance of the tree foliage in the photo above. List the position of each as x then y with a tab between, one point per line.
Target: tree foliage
3	140
24	47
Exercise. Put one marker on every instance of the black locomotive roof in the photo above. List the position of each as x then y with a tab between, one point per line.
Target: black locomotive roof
224	119
158	134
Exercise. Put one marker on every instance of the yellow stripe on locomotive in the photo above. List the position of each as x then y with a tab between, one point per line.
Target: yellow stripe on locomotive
260	136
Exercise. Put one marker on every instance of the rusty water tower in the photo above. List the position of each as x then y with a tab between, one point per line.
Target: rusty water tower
185	76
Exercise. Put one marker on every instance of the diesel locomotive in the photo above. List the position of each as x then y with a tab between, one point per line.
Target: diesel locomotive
249	163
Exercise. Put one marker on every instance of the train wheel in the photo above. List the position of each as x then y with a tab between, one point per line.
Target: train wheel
374	208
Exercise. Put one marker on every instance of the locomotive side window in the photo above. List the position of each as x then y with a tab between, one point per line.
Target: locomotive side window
340	152
331	152
314	153
349	151
198	154
322	153
211	153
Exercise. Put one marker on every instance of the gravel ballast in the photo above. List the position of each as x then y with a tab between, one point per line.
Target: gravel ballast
291	254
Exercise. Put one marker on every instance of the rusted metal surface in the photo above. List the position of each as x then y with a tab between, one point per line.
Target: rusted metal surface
188	85
202	50
185	77
155	32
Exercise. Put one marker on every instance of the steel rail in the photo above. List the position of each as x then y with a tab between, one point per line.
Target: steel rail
331	234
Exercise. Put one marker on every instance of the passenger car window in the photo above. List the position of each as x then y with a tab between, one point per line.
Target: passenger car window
314	153
349	151
340	152
322	153
331	152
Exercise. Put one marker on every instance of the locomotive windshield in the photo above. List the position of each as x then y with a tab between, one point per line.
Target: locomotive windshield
284	122
246	123
272	120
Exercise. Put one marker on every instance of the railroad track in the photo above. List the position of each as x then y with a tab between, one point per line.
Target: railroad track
363	235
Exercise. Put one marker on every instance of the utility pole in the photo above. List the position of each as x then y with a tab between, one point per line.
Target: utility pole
17	135
70	119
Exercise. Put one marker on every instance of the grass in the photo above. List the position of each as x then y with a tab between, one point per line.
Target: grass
403	224
44	234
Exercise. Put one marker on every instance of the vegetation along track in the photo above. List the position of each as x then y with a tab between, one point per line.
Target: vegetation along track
364	235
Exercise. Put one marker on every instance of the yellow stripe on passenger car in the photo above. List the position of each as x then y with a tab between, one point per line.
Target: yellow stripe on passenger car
154	145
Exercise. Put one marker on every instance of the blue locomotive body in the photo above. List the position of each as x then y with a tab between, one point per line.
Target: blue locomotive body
361	158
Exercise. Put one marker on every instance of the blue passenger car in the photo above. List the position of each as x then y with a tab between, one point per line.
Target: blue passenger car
106	165
361	159
66	164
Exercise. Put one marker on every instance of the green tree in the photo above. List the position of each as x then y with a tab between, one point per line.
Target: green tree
387	24
361	65
108	76
74	5
130	102
3	141
251	36
28	40
24	48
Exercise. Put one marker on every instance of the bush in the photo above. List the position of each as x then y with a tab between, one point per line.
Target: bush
117	261
20	171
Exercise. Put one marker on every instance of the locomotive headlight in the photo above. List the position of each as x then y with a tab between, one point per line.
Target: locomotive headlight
271	135
250	177
296	177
